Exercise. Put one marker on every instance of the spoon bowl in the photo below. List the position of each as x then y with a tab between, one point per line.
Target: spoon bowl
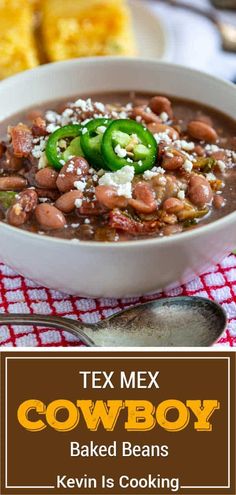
169	322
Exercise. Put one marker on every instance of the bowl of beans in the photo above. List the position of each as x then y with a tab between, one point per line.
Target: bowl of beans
117	176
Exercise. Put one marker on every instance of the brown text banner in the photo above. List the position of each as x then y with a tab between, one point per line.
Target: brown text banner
90	422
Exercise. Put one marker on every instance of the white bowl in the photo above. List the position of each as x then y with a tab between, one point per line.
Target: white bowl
126	268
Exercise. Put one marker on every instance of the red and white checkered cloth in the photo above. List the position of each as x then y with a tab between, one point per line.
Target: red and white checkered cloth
20	295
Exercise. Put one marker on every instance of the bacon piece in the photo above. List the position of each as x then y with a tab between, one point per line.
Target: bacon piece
119	221
22	138
39	127
93	208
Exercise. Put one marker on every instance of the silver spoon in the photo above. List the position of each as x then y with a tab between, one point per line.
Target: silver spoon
170	322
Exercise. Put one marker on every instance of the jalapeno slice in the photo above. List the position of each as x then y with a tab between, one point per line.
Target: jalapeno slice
126	142
91	140
54	156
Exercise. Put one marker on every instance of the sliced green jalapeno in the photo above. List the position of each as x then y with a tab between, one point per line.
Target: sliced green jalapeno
54	156
91	139
126	142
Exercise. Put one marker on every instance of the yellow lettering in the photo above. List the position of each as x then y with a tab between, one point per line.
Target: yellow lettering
203	410
23	412
183	415
101	412
140	415
66	424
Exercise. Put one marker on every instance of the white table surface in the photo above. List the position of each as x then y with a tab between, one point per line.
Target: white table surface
196	42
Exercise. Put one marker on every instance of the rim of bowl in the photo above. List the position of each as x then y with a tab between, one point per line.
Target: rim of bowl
137	242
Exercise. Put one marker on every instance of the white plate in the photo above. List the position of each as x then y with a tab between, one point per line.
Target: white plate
152	32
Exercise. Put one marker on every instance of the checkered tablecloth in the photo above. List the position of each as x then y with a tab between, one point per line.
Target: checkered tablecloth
20	295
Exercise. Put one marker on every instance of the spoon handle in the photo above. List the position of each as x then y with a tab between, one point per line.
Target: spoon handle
58	322
209	13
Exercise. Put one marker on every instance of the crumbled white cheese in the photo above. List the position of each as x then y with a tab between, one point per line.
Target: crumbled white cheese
181	195
68	112
163	136
80	185
42	161
52	128
84	130
186	145
121	152
84	105
212	147
122	180
123	115
188	166
70	167
38	149
210	177
86	121
221	165
99	106
78	203
52	116
101	129
87	221
149	174
164	117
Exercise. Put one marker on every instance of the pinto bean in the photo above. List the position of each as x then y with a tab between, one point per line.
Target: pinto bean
201	117
156	128
49	217
12	183
47	177
145	199
107	196
199	191
202	132
19	213
173	163
52	194
199	150
173	205
171	187
147	117
11	163
72	171
218	201
219	155
160	104
172	229
66	202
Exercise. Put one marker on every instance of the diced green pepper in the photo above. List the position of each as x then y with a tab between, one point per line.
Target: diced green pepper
7	198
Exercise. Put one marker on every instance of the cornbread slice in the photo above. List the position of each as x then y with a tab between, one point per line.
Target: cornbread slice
17	46
80	28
